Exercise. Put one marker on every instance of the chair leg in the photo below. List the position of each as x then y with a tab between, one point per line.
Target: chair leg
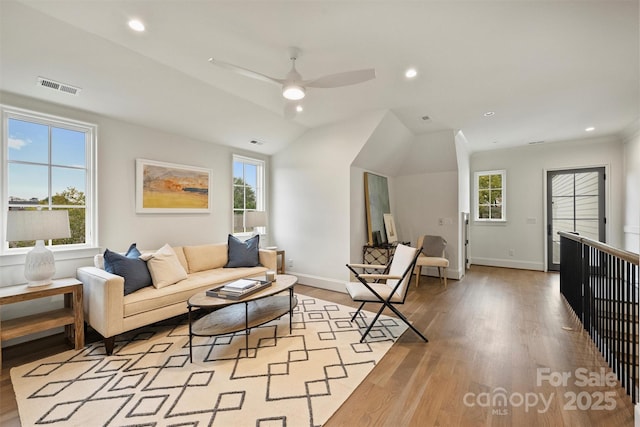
418	271
357	311
445	279
405	320
375	319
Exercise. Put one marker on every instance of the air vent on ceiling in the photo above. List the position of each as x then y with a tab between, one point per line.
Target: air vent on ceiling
535	142
61	87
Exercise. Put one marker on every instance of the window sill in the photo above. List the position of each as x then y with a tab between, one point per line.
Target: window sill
490	221
18	258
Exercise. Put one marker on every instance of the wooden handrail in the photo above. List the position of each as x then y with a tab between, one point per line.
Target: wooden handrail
630	257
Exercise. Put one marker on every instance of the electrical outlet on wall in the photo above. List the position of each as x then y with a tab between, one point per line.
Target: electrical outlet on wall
290	263
511	252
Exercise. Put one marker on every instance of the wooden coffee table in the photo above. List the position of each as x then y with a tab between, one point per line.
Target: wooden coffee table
228	316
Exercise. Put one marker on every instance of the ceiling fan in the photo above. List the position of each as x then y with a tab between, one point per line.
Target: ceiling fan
294	87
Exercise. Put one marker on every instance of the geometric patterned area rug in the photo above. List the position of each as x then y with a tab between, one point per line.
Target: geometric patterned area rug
285	379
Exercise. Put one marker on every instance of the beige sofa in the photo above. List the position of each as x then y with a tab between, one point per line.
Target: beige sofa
110	312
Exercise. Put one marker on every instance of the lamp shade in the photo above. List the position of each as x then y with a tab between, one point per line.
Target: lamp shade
37	225
255	219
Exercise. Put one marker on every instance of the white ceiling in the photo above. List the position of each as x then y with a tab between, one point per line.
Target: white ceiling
548	69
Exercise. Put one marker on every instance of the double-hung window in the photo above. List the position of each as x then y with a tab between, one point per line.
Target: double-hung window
248	191
48	164
490	193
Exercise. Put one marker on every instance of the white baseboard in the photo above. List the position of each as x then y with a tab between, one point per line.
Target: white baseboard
320	282
451	273
496	262
339	285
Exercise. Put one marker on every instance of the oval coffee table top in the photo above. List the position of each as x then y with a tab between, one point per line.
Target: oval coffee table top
282	282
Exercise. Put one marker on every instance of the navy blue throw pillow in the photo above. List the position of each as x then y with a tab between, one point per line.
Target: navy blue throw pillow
243	254
132	252
134	270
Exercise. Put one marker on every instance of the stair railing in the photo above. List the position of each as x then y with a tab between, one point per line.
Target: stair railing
600	284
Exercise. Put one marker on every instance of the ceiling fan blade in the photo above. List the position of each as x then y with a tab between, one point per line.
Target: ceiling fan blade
245	72
342	79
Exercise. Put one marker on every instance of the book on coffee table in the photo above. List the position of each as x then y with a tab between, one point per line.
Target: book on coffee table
238	289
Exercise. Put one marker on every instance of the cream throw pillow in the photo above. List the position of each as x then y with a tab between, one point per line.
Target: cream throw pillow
164	266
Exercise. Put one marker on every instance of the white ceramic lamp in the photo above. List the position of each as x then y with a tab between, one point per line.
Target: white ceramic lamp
38	225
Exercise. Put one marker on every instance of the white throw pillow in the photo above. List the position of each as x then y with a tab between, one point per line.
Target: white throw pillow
98	261
164	266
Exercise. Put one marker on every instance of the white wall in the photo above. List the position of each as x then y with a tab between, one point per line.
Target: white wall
426	192
526	168
464	194
311	200
119	144
632	193
424	199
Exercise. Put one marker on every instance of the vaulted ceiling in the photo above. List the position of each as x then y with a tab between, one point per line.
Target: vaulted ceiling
547	69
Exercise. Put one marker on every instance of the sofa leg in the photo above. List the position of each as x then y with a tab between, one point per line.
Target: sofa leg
109	343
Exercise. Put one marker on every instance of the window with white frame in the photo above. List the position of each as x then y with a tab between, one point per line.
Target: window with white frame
47	163
490	195
248	191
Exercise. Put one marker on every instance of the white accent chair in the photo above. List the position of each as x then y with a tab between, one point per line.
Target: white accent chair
432	255
387	288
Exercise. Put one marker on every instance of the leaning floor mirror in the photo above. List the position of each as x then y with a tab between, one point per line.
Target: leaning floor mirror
376	196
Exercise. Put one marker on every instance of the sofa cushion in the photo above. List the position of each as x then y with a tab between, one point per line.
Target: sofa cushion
150	298
205	257
180	254
133	270
164	266
243	254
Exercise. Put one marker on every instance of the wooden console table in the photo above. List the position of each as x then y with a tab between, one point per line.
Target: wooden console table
71	316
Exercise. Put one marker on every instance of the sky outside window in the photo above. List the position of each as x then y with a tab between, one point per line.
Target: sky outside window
28	155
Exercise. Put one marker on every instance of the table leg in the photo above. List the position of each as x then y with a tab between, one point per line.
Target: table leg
74	334
246	328
78	310
190	348
290	308
68	330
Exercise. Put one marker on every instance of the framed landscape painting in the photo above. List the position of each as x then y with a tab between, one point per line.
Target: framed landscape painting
170	188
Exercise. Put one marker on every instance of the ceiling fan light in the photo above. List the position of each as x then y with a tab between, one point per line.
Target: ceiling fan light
293	92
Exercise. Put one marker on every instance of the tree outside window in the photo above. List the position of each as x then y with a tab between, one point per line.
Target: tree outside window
490	195
248	190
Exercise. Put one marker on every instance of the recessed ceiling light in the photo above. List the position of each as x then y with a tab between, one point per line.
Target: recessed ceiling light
411	73
299	108
590	129
489	113
136	25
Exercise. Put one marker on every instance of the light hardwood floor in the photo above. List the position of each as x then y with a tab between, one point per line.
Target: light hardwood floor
490	335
